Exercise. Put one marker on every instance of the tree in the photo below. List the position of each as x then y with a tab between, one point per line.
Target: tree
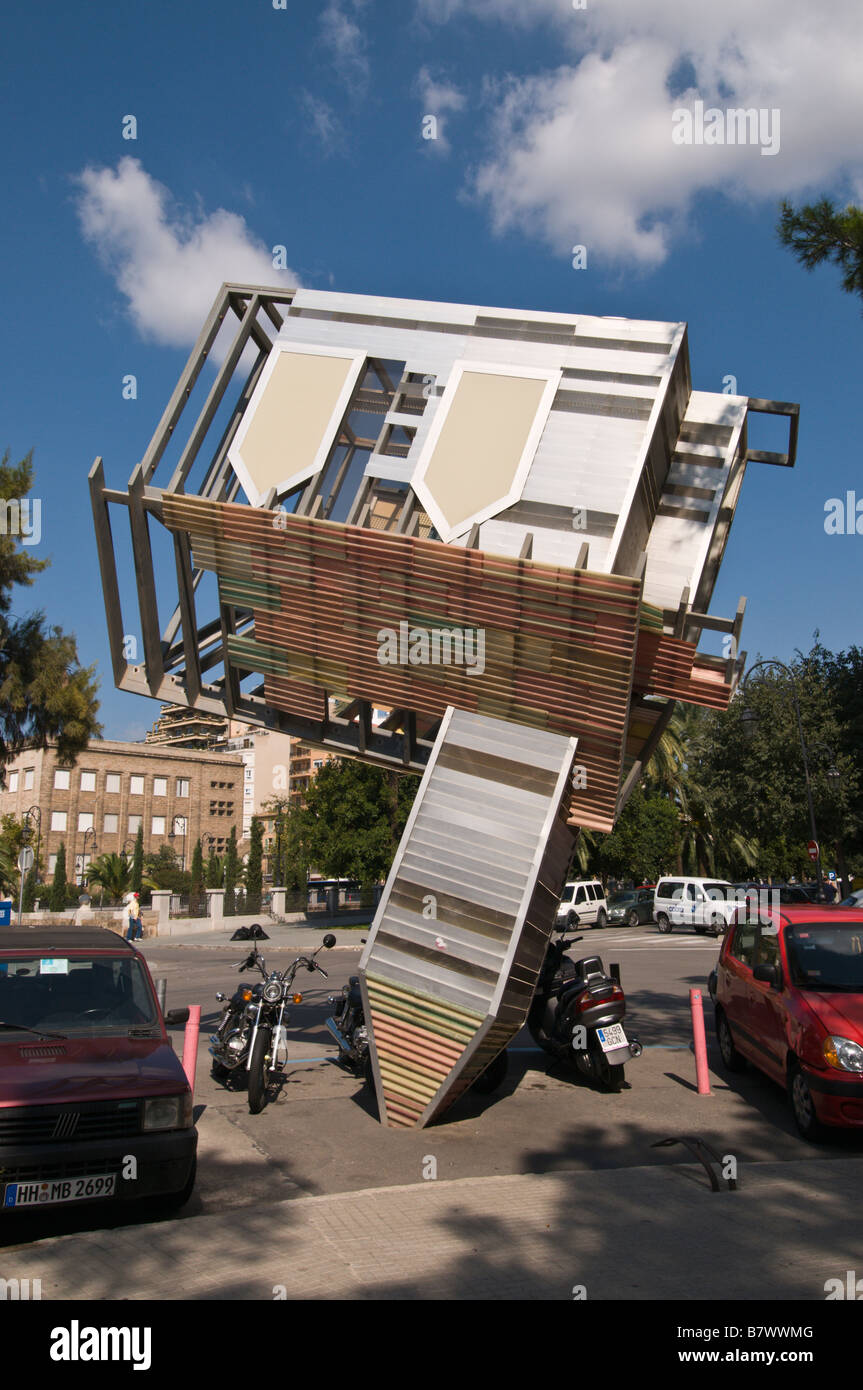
197	884
136	880
352	821
44	694
30	889
113	873
214	870
232	869
645	840
164	870
819	233
59	890
254	867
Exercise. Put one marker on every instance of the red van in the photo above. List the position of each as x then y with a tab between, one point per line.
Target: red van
94	1103
789	999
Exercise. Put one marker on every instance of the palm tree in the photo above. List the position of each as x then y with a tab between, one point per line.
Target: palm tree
113	873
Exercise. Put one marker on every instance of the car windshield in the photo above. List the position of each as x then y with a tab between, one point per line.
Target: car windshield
826	957
74	994
619	899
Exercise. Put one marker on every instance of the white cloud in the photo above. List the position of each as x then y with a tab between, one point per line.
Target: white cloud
438	98
347	44
584	153
323	122
168	264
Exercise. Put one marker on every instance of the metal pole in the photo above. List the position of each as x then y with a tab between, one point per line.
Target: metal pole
701	1069
21	896
162	993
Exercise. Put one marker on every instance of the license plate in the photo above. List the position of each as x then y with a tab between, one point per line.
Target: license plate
37	1194
612	1037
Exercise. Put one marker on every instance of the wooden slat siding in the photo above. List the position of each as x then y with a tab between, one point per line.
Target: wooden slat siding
559	642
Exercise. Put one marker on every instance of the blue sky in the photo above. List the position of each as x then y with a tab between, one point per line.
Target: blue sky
302	127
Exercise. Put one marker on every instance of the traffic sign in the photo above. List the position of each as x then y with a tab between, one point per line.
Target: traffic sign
25	860
832	874
812	850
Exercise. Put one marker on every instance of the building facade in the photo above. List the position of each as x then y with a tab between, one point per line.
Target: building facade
96	807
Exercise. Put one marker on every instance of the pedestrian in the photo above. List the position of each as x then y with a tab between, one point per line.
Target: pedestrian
136	926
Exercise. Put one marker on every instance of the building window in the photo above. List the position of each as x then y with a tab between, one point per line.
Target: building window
112	782
28	778
58	820
13	782
182	786
158	825
160	786
135	823
319	762
61	779
88	781
111	824
85	820
52	863
136	786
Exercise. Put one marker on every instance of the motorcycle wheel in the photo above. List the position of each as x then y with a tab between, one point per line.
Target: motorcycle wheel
258	1072
493	1076
612	1079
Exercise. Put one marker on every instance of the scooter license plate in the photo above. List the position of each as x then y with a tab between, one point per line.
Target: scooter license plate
612	1037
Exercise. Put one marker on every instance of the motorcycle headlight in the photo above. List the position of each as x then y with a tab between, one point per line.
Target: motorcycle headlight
843	1054
273	991
168	1112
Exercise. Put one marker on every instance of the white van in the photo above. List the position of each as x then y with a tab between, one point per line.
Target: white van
707	904
582	904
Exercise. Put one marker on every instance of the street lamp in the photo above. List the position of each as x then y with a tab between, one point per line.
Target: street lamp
35	813
172	835
88	831
749	719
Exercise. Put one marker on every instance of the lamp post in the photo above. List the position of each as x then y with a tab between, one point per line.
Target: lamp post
173	835
750	721
88	831
35	813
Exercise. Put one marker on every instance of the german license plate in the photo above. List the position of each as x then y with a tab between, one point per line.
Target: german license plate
612	1037
36	1194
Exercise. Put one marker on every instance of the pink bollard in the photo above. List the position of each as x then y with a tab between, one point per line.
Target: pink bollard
190	1044
701	1072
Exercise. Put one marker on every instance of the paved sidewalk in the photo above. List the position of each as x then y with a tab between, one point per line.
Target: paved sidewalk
636	1233
293	934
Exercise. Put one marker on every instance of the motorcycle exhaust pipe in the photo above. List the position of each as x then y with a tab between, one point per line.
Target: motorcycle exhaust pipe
635	1047
340	1039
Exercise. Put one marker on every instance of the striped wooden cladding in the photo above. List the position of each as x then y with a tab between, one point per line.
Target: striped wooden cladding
563	648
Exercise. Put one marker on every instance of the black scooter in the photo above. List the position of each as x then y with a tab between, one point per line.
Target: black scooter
577	1016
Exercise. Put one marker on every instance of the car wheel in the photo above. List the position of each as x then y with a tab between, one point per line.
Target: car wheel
732	1060
632	919
802	1105
572	919
663	923
717	924
602	918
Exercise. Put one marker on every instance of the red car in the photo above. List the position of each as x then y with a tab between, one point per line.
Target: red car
789	999
94	1103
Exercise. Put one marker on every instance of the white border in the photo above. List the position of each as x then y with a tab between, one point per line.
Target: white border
550	375
235	458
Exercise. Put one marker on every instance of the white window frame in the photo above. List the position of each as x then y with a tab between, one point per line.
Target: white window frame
29	775
133	790
182	786
111	777
157	781
85	821
56	817
88	772
59	774
13	781
155	822
111	829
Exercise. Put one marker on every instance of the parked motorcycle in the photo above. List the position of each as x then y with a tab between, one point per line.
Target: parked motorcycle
348	1028
577	1016
253	1027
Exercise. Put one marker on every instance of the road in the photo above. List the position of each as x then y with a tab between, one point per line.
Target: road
322	1135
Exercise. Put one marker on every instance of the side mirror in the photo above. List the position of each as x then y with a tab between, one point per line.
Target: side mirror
175	1017
768	975
329	940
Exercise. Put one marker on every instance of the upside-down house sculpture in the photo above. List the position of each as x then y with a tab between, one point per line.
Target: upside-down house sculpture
502	529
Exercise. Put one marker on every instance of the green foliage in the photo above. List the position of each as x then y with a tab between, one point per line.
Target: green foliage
645	840
197	881
818	233
254	866
30	890
136	880
163	870
44	694
113	874
214	870
232	869
352	821
57	899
